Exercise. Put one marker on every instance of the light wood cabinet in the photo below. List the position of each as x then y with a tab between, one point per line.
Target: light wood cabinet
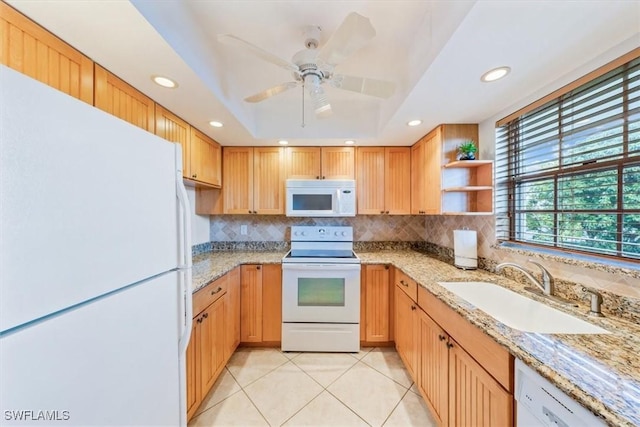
377	312
122	100
251	303
320	163
272	303
205	159
253	181
440	184
201	160
406	321
174	129
232	312
32	50
383	177
207	350
470	384
433	373
475	398
261	303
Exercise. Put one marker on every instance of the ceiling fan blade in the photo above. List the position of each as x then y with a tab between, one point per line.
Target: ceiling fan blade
372	87
261	96
353	34
257	51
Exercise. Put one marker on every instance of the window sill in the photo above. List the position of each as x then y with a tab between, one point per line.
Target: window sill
612	266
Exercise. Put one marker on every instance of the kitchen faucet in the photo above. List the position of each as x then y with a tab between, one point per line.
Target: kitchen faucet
547	281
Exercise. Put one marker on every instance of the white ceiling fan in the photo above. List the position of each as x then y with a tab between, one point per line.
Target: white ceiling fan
313	67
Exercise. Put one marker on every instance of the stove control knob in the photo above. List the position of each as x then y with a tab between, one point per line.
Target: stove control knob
344	234
303	233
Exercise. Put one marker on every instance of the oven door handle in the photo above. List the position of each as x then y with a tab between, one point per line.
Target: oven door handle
332	267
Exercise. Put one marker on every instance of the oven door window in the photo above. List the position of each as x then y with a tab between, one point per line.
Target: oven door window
312	202
321	292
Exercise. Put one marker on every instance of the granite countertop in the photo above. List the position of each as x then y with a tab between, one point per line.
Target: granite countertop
600	371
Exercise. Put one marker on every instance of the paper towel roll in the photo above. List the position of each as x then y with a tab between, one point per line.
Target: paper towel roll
465	249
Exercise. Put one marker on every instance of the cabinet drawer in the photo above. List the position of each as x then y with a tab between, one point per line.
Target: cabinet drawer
494	358
409	286
210	293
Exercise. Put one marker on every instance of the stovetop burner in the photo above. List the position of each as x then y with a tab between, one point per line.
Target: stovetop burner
326	245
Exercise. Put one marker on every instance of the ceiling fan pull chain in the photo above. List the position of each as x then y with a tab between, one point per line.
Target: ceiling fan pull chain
302	103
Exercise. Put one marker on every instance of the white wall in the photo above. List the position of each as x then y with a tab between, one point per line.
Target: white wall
199	223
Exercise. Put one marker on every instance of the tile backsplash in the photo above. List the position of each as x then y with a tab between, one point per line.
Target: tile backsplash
275	228
438	231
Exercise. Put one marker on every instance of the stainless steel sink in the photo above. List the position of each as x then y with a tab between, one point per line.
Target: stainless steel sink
519	312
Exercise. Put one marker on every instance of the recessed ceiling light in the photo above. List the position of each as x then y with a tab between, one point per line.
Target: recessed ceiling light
215	124
495	74
414	122
350	142
164	82
283	142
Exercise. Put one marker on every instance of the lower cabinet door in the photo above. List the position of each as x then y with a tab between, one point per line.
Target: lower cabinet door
405	330
433	367
475	398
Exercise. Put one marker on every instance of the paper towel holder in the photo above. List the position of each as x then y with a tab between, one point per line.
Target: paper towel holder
465	248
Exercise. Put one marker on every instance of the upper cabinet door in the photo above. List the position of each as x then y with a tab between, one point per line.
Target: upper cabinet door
32	50
397	180
237	180
432	172
205	159
338	163
371	180
303	163
174	129
418	202
268	180
122	100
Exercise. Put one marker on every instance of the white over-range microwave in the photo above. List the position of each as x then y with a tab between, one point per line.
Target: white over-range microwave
317	198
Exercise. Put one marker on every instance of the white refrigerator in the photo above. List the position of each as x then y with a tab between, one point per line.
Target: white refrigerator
95	265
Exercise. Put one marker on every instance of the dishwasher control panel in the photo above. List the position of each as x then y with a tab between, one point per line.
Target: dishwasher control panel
540	403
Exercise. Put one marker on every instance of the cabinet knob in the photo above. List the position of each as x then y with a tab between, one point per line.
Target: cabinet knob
317	177
387	212
449	345
255	212
199	320
442	337
386	267
250	212
381	212
258	267
205	315
413	307
216	291
403	283
323	177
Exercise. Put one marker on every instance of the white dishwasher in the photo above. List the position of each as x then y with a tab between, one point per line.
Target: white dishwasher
541	404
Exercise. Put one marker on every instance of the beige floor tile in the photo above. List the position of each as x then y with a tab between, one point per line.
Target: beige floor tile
291	354
224	387
411	411
325	367
237	410
368	393
387	362
283	392
362	353
325	410
247	365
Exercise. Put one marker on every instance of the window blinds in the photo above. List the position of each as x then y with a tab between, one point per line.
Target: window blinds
568	172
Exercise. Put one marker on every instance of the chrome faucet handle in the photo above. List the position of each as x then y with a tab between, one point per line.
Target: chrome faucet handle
547	279
596	301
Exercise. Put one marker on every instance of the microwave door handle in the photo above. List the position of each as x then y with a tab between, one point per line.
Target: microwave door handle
338	201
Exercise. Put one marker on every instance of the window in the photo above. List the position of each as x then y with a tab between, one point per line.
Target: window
568	171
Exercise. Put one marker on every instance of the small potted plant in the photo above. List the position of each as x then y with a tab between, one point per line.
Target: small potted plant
467	150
